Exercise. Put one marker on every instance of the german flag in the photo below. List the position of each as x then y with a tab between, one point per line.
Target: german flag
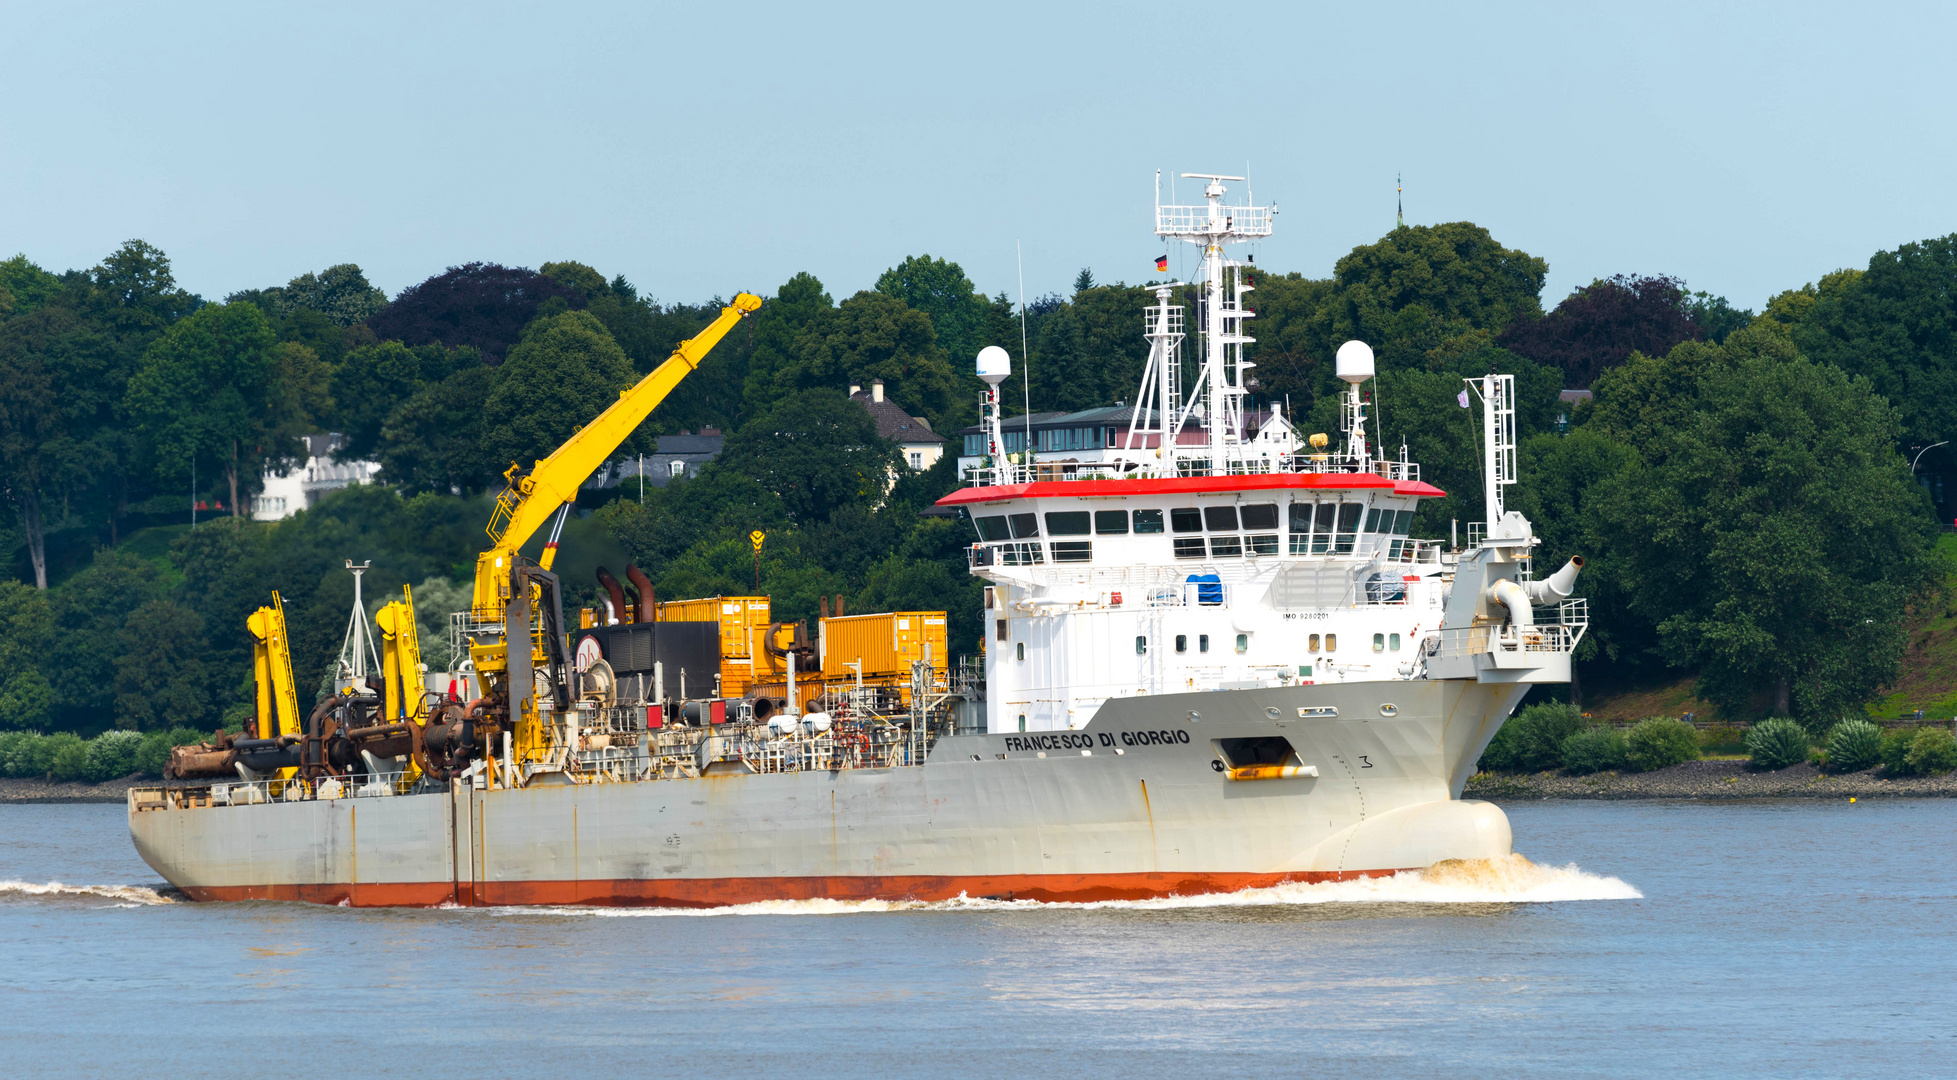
1162	264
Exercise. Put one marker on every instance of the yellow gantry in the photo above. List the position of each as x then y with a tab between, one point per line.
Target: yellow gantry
271	655
400	657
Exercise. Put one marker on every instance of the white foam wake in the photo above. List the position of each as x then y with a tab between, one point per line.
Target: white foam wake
1512	879
123	894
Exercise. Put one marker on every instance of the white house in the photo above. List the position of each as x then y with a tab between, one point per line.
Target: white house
285	494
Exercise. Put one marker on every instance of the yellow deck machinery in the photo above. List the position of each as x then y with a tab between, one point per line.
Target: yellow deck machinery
516	631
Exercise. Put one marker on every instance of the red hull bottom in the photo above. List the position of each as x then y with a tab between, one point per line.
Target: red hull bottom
725	892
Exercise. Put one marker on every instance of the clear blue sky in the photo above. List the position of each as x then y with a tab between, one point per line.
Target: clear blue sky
703	148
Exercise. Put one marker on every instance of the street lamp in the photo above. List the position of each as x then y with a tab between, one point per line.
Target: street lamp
1920	453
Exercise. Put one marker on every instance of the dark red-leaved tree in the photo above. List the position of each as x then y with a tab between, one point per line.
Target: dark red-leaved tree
481	304
1599	325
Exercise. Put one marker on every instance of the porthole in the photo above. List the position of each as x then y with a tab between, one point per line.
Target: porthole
1019	647
1389	709
1273	712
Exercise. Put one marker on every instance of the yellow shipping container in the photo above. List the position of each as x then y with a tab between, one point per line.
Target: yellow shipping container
743	622
886	644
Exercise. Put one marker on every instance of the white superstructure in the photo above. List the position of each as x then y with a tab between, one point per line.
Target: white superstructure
1218	562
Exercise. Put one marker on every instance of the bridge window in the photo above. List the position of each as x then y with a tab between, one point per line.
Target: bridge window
1067	523
1264	545
1148	521
1221	518
1111	522
1226	547
1073	550
1024	525
994	528
1190	547
1405	524
1260	516
1186	519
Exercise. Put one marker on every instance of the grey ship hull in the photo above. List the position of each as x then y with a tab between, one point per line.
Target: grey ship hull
1132	806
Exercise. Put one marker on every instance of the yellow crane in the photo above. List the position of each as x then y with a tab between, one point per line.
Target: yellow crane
516	601
271	655
400	657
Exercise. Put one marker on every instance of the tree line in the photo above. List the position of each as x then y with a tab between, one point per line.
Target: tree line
1738	481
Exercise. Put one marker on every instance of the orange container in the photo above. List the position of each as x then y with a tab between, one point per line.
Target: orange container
743	622
885	644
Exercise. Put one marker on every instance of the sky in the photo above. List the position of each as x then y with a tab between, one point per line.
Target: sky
701	149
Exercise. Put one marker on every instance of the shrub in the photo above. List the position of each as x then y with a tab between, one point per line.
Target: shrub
1931	752
12	743
1533	741
1895	750
154	753
1854	745
67	756
1776	743
1658	742
1594	751
32	755
112	755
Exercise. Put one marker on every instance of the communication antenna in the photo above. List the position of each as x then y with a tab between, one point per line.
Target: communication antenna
1025	355
357	648
1399	202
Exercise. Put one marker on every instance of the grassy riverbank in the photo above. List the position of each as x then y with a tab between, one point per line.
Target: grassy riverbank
1709	780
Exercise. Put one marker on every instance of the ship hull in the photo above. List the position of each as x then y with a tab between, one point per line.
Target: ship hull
1138	804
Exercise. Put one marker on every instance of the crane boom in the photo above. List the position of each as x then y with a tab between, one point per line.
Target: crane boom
533	496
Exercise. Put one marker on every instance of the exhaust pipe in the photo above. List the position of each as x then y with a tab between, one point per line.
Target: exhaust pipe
615	591
643	584
1556	587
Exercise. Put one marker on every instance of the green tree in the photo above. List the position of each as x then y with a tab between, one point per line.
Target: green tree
776	327
1420	286
433	441
340	294
26	631
208	390
372	382
88	611
161	679
565	371
1774	536
1896	324
24	287
940	290
817	451
872	336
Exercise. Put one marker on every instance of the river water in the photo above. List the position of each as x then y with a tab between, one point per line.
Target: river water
1799	938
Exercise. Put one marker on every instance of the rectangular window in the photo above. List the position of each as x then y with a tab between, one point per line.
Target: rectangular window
1301	517
1327	512
1220	518
1379	642
1405	524
994	528
1111	522
974	445
1107	437
1260	516
1349	517
1001	631
1313	647
1148	521
1226	547
1067	523
1243	643
1019	648
1393	642
1024	525
676	468
917	460
1182	642
1202	643
1190	547
1141	646
1265	544
1186	519
1331	643
1372	519
1073	550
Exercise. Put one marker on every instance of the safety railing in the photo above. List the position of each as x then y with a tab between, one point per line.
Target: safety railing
1200	221
271	790
1556	629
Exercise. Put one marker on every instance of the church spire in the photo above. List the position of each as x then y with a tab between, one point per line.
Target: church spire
1399	203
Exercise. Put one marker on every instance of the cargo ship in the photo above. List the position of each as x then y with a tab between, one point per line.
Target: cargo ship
1214	658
